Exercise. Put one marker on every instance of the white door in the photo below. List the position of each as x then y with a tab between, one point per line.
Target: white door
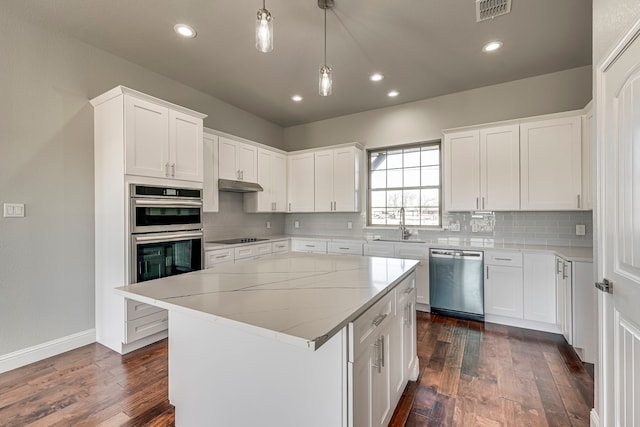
146	138
500	168
344	180
227	159
618	232
462	171
324	181
248	162
301	183
185	146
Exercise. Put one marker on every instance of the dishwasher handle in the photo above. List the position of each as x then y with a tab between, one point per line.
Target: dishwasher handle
452	253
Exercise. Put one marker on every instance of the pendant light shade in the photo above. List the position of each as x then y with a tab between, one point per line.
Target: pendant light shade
325	82
264	30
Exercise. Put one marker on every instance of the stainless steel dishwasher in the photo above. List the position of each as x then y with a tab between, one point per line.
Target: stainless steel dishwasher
456	283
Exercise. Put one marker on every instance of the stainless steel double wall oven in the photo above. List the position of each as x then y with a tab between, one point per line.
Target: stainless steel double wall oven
166	231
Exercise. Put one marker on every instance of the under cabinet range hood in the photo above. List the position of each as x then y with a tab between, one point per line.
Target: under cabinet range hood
238	186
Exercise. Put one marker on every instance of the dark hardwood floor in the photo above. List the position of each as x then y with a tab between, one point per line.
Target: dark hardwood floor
472	374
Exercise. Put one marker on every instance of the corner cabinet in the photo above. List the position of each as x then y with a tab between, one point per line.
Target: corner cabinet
551	164
482	169
272	176
160	141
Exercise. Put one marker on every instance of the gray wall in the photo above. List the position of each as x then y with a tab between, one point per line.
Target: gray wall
423	120
46	162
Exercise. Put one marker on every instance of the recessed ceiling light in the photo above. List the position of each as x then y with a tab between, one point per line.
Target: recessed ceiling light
184	30
376	77
491	46
296	98
393	93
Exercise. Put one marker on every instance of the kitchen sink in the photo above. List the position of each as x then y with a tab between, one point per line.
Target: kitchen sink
399	241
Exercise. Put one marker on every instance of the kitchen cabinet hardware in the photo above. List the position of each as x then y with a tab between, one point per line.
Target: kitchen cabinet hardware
173	170
578	201
477	203
487	272
408	290
382	351
376	364
483	203
564	270
558	263
222	256
605	286
379	319
503	259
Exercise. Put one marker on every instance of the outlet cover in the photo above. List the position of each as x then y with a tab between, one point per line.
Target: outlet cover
349	225
296	224
268	224
581	230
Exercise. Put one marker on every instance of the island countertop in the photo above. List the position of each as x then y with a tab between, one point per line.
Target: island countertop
299	298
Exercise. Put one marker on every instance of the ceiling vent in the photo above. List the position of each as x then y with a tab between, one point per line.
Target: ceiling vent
489	9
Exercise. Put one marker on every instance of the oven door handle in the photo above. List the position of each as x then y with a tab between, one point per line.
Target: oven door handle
167	203
166	237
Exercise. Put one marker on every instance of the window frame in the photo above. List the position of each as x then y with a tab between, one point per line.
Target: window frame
434	142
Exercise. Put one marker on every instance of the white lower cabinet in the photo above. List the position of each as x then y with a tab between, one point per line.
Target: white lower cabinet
311	246
218	256
503	284
344	248
381	344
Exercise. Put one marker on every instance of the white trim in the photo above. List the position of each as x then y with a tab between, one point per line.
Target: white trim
39	352
594	418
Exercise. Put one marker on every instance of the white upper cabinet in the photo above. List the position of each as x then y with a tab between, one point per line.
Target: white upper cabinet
272	176
500	168
462	171
161	142
301	182
337	179
238	161
482	169
550	159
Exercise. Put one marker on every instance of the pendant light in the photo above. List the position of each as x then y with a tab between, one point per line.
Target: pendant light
326	77
264	30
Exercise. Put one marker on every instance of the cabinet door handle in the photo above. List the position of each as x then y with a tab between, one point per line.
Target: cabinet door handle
578	201
558	262
379	318
483	203
173	170
376	364
487	272
564	270
382	351
221	256
166	169
503	259
477	203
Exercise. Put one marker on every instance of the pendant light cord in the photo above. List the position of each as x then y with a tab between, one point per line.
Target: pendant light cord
325	35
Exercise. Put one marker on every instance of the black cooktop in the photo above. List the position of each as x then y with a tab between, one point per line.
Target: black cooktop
240	240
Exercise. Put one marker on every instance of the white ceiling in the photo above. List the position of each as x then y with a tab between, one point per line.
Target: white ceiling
425	48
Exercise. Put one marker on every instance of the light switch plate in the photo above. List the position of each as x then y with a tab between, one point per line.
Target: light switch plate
581	230
14	210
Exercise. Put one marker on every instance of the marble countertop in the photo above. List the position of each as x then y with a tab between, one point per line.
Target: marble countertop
299	298
571	253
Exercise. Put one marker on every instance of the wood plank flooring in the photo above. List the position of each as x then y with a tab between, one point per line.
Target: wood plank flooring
472	374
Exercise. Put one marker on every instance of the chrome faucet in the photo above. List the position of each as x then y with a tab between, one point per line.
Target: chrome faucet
403	228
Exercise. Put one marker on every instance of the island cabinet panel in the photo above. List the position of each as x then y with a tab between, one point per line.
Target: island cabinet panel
256	380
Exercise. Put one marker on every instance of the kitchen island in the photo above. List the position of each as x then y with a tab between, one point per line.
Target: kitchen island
295	339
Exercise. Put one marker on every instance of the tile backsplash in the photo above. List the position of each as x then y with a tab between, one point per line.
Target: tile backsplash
231	221
543	228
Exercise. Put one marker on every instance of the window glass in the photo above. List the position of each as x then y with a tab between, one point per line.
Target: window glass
405	177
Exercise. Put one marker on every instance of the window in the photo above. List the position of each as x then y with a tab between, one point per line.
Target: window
409	177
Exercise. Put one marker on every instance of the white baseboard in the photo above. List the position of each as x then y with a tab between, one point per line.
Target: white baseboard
595	419
522	323
38	352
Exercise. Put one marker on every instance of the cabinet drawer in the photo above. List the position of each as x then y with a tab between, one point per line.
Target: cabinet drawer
379	250
506	258
281	246
218	256
362	330
316	246
411	251
145	326
345	248
404	291
135	309
262	249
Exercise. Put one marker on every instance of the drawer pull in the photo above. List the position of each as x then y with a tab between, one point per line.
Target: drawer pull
379	319
408	290
344	249
503	259
222	256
